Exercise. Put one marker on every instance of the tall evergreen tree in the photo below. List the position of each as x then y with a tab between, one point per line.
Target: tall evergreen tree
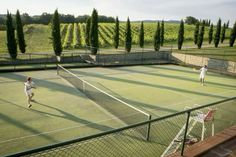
157	38
11	41
227	25
232	35
128	36
20	33
116	34
196	33
87	30
56	35
141	35
210	34
162	32
201	36
217	34
94	32
181	35
223	33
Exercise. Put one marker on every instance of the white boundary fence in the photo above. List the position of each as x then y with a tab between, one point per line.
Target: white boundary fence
222	66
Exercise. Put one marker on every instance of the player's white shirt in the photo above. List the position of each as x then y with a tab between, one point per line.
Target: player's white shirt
203	71
28	87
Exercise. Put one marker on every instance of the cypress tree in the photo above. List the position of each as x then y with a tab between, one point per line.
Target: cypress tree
11	41
157	38
56	35
162	32
128	36
210	34
217	34
141	35
223	33
232	35
227	25
181	35
88	24
116	34
94	32
196	32
201	36
20	33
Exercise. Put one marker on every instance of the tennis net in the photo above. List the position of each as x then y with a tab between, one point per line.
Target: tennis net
120	109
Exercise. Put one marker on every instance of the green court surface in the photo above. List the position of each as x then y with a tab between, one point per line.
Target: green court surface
160	89
60	112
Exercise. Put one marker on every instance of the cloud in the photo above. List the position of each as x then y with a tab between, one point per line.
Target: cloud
135	9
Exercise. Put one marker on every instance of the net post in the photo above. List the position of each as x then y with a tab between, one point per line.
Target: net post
185	132
148	128
57	69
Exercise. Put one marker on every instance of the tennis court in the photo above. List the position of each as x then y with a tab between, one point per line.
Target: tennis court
160	89
61	112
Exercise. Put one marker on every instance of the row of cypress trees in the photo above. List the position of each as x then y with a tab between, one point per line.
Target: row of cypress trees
11	39
92	34
158	39
218	37
158	36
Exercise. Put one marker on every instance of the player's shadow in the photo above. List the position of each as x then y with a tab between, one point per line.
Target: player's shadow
21	125
72	117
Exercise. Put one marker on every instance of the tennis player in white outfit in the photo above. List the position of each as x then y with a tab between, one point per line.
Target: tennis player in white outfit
203	72
29	84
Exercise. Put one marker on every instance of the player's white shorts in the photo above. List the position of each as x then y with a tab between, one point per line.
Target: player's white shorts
202	76
28	92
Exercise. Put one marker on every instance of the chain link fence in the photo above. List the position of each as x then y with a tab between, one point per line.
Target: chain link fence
217	65
73	59
168	135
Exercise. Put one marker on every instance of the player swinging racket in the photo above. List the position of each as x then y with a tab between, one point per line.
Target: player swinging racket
29	84
203	71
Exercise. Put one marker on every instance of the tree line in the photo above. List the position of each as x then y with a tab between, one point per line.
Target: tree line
92	34
45	18
190	20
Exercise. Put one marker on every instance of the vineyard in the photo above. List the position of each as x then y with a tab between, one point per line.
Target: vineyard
73	35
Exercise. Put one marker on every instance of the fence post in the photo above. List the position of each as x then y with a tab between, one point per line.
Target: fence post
142	57
149	128
185	132
57	68
185	58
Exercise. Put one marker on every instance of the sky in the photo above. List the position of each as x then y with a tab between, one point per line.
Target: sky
135	9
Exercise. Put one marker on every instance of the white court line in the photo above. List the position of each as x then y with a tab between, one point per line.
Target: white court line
193	100
73	127
190	99
58	130
68	128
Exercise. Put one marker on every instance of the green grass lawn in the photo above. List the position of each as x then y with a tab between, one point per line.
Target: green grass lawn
61	112
37	39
